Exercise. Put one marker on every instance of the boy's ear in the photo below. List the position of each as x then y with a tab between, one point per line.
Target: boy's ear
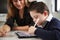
45	13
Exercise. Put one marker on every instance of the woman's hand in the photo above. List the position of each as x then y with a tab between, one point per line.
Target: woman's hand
4	30
1	32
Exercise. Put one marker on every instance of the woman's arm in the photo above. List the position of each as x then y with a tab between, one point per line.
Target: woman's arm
21	28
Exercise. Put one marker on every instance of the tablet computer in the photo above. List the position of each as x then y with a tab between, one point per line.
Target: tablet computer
25	35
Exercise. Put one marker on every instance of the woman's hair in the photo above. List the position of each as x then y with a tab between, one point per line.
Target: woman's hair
12	9
40	7
28	2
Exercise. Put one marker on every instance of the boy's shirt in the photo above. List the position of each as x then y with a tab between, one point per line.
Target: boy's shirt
50	31
49	18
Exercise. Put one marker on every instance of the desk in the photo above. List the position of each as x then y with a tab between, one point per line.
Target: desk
12	36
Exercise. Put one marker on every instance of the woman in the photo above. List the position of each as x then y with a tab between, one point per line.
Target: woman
17	13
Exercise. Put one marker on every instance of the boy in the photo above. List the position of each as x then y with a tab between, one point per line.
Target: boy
48	27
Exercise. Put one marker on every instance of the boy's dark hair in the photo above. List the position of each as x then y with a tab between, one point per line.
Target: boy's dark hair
40	7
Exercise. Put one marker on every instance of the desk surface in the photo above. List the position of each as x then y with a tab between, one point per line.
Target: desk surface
12	36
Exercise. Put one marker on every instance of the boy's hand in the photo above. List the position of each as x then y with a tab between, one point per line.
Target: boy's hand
32	30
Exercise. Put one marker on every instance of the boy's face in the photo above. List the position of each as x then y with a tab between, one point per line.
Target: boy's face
35	15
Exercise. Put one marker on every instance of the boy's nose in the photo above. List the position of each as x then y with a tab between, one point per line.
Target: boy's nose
34	20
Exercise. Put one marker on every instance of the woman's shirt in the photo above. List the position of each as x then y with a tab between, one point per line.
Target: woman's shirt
26	20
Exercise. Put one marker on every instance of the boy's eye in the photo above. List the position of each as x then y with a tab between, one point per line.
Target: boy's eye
36	17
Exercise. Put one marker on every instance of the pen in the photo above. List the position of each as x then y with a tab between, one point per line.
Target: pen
36	22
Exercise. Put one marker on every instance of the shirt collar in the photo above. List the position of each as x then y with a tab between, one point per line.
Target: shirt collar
49	17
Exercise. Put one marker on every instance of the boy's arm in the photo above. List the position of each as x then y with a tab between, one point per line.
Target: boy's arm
45	34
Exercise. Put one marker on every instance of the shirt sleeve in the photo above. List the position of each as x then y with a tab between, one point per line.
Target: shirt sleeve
47	35
10	22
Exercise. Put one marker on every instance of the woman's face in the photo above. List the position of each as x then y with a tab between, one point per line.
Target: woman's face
19	4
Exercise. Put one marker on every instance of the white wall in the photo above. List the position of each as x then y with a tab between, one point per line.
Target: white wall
3	17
